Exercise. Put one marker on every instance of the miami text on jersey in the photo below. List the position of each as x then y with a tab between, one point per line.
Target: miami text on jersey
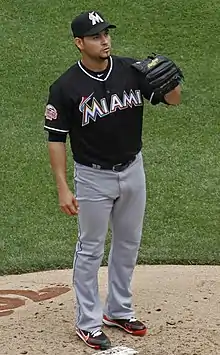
91	107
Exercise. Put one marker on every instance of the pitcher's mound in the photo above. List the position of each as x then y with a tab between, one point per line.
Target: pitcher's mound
180	305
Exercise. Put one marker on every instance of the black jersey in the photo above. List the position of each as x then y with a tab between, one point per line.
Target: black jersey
101	112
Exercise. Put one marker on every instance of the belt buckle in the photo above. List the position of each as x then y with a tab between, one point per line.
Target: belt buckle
116	167
122	166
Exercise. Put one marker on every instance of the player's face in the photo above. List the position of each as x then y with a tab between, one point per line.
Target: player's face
97	46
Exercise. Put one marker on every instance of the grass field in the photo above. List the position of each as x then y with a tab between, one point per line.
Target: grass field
181	145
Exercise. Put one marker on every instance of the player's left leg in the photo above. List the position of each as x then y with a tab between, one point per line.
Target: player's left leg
126	224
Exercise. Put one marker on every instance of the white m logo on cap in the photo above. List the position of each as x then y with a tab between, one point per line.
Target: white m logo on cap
95	18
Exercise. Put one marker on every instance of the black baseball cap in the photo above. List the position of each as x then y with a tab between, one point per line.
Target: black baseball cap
89	23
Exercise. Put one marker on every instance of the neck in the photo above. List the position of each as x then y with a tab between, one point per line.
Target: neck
95	65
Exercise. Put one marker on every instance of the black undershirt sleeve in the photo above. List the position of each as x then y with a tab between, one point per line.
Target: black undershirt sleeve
56	137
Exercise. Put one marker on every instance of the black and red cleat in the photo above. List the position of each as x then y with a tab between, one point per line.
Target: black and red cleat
131	326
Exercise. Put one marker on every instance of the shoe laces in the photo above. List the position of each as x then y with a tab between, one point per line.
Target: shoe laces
96	333
132	320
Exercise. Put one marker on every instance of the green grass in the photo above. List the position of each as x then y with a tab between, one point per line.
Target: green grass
181	145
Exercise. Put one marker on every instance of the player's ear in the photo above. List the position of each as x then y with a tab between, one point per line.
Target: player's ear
79	43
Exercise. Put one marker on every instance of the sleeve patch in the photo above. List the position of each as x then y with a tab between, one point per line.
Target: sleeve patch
50	113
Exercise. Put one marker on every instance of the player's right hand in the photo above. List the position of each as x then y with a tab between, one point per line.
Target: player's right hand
68	202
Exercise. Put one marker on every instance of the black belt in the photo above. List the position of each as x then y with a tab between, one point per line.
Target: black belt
117	167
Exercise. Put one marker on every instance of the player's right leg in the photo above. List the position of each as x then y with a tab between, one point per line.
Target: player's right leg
95	191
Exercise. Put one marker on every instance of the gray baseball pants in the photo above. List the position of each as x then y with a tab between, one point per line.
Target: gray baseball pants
107	198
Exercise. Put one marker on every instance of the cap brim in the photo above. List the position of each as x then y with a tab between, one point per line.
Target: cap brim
99	28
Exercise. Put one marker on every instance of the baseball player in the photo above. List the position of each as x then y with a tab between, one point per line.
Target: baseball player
98	102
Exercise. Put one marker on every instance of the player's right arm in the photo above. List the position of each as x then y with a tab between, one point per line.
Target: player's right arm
57	154
56	123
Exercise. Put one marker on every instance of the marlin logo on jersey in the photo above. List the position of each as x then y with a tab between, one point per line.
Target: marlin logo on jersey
91	107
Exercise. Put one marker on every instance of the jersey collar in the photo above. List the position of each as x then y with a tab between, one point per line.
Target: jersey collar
95	77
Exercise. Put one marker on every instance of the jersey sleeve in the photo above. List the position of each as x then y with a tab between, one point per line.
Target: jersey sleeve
56	118
147	91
